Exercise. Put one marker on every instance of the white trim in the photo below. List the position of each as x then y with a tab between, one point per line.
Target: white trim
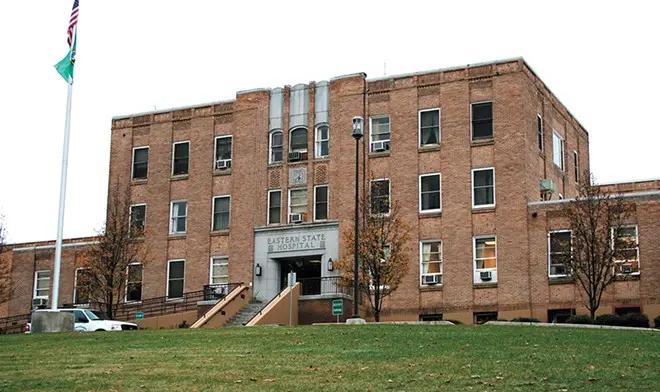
130	216
34	289
419	192
173	149
492	120
475	207
561	147
613	196
41	247
172	216
419	127
477	271
288	215
629	181
301	150
126	284
174	109
539	117
211	268
637	247
133	163
421	261
576	163
550	251
167	282
215	148
317	149
389	121
268	222
327	202
213	212
270	146
389	196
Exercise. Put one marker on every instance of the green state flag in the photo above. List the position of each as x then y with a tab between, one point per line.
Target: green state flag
65	66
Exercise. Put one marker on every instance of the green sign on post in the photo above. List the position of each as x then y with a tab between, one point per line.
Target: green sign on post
337	307
139	315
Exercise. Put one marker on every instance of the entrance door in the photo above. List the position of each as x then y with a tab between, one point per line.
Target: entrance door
308	271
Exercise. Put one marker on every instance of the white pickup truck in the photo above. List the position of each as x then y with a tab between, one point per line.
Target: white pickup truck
86	320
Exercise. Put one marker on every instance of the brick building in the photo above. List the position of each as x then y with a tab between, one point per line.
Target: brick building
479	158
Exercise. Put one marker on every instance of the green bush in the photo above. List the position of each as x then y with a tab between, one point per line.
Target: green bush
525	320
656	321
635	320
609	319
455	322
580	319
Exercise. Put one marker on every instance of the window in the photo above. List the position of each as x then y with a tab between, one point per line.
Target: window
431	261
576	165
219	270
539	129
175	278
322	149
430	196
221	207
223	152
180	155
380	196
627	240
429	127
138	219
430	317
559	244
276	141
41	284
482	120
178	216
320	202
274	207
140	162
79	279
622	311
483	187
298	140
558	150
134	273
484	317
560	315
297	201
485	253
380	133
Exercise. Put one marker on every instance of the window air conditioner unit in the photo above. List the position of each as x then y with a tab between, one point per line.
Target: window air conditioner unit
431	279
626	268
381	146
295	156
220	290
296	218
38	303
222	164
486	276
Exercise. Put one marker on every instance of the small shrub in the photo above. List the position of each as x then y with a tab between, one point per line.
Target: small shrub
184	324
580	319
609	319
525	320
455	322
656	321
635	320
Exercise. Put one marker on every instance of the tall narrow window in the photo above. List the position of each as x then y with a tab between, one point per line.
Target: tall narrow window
626	240
178	216
559	244
221	207
539	130
380	196
429	127
41	284
134	274
380	133
274	207
140	162
219	270
297	203
322	149
180	156
298	140
275	155
430	193
482	120
558	150
138	219
175	278
431	262
320	202
576	165
483	187
223	152
79	280
485	253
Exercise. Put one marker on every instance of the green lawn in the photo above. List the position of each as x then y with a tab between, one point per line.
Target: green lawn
334	358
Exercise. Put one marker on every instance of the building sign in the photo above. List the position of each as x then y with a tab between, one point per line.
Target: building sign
288	243
298	176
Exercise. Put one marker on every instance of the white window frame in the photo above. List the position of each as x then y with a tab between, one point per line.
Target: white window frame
300	150
270	146
327	208
215	149
185	216
189	153
130	215
540	132
141	283
34	290
550	251
492	119
167	282
318	141
434	210
75	286
474	253
268	222
288	215
475	207
371	132
576	161
421	261
612	239
213	258
213	212
133	163
419	127
561	148
389	196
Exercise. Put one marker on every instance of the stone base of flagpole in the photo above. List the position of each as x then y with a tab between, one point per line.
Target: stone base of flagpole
356	321
51	321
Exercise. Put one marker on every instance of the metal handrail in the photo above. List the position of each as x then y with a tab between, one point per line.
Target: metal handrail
325	285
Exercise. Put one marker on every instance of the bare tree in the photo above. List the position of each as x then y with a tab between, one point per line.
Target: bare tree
106	263
597	244
5	269
383	256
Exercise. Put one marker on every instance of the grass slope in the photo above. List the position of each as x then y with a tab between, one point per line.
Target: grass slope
334	358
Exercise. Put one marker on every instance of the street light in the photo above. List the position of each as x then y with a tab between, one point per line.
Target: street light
358	132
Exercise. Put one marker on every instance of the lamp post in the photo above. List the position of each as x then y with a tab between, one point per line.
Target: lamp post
358	132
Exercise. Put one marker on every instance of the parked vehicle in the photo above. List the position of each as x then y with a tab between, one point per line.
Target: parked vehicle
86	320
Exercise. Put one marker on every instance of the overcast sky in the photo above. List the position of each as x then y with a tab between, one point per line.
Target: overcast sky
599	58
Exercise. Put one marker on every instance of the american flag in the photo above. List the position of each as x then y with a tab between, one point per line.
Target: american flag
72	23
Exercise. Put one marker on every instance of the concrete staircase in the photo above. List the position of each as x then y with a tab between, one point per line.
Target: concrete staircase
244	315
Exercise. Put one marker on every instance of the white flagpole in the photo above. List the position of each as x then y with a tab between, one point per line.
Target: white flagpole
60	218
